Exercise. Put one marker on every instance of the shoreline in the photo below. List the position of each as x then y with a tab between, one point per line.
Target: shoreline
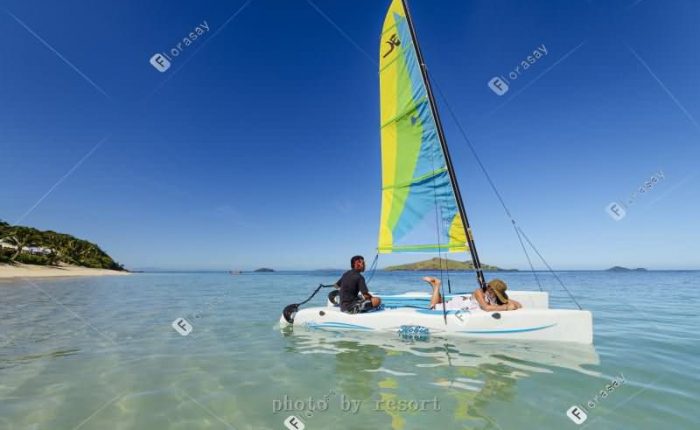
8	271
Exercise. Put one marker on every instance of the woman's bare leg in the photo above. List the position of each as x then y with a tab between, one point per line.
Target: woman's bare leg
436	298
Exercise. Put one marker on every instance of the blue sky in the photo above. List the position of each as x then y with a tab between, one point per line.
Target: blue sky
260	145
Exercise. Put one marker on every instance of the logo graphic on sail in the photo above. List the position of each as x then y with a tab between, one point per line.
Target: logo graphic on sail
393	43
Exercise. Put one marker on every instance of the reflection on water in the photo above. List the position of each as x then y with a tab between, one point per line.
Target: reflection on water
469	374
350	365
456	352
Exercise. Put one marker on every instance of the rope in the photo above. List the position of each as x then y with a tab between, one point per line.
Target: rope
372	268
290	310
314	293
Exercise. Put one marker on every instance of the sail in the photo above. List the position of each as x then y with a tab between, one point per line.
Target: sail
419	208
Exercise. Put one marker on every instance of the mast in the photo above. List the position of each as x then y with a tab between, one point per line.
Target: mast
443	143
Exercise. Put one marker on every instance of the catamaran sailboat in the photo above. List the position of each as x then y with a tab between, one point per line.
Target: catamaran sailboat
421	197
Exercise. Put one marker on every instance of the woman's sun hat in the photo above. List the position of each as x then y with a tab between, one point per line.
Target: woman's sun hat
499	289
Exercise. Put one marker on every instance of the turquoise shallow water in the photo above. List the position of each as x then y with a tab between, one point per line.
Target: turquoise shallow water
100	353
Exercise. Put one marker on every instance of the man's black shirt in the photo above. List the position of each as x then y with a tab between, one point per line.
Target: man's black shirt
351	284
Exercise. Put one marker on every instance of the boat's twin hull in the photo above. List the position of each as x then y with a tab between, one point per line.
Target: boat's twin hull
533	322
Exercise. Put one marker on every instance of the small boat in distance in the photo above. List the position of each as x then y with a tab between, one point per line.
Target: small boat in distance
423	211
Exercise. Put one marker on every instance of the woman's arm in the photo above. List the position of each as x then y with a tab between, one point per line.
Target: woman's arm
479	296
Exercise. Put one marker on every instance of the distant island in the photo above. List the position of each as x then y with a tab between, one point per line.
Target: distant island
436	263
625	269
263	269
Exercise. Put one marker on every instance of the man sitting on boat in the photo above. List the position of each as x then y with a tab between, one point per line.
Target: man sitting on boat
351	285
494	298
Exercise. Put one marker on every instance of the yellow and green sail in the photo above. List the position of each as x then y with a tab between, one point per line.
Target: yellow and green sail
419	208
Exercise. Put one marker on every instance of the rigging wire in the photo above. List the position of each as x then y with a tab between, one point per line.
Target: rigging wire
550	269
516	228
437	227
527	255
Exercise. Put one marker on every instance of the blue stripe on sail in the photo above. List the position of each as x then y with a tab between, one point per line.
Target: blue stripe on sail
337	325
411	59
514	330
424	196
420	202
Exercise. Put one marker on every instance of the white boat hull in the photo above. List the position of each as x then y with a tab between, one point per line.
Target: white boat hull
522	357
533	322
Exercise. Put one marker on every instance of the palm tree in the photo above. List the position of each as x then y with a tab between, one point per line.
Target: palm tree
52	242
20	237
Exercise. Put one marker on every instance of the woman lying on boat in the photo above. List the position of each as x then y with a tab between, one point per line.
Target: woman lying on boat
494	298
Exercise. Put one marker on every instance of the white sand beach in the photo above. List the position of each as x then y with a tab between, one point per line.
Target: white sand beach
34	271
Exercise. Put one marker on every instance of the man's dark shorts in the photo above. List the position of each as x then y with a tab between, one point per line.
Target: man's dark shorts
358	305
